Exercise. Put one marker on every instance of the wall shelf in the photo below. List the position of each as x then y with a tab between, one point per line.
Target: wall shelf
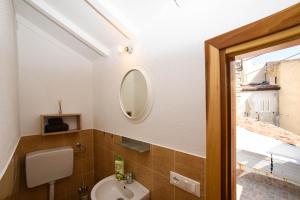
73	120
135	145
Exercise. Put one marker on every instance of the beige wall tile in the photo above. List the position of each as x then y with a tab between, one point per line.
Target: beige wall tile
89	150
183	195
75	181
99	157
88	165
163	160
71	139
62	189
162	189
99	139
146	158
78	168
129	166
40	192
108	141
88	179
127	154
189	165
87	136
83	165
150	168
192	167
7	187
144	175
30	143
53	141
108	163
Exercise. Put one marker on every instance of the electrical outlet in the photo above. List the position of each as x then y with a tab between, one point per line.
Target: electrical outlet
185	183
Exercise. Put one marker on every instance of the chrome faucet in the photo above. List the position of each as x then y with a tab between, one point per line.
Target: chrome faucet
128	177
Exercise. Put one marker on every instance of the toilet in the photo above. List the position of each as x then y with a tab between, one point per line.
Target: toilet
47	166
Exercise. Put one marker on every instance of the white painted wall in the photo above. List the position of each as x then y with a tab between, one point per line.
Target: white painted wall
171	46
260	104
253	73
9	120
50	71
289	94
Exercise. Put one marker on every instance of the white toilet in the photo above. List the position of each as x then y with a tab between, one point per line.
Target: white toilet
47	166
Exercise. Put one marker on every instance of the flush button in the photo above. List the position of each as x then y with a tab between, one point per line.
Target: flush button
185	183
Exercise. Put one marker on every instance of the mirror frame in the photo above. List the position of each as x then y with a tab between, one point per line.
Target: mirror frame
149	100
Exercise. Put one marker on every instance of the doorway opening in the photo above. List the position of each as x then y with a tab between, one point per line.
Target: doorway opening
279	28
267	90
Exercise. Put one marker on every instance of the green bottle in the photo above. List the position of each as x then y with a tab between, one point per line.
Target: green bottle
119	168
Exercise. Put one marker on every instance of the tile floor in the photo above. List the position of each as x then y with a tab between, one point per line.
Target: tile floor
251	186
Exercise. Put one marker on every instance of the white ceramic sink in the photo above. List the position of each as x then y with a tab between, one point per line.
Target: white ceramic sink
111	189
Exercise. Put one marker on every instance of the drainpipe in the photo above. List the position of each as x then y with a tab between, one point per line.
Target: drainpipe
272	164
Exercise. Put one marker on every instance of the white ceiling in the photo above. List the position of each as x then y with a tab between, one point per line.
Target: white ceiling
32	16
142	17
81	15
137	14
86	18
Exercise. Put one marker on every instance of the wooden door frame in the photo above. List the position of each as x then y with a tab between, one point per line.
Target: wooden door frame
278	28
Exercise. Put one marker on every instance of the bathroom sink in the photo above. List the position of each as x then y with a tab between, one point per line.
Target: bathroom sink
110	188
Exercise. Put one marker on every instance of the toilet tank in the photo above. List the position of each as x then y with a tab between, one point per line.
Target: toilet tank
48	165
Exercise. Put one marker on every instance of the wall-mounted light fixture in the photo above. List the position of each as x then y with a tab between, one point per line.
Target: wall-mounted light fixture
127	49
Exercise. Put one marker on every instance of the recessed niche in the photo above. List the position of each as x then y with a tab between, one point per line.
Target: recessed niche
60	123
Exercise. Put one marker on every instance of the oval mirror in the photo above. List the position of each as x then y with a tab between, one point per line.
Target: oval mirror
134	95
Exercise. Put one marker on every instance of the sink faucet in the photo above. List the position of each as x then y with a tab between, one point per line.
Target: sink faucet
128	177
